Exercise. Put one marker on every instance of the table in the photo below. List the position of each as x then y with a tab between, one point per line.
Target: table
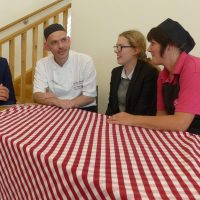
50	153
4	107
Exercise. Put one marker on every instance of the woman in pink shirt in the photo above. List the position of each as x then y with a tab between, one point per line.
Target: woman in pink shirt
178	94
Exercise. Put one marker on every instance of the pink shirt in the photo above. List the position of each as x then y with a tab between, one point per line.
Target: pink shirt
188	101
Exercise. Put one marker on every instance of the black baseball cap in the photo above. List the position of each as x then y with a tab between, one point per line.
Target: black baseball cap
178	34
53	28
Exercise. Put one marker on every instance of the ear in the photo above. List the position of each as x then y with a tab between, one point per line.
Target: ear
137	51
45	46
68	40
170	47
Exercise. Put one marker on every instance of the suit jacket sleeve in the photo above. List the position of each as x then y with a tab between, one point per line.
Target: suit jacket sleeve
6	80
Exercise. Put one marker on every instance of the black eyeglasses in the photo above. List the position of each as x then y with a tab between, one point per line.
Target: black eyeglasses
118	48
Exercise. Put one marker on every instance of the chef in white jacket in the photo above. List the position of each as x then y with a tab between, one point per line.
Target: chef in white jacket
65	78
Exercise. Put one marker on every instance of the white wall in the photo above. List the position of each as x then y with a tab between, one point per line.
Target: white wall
15	9
96	25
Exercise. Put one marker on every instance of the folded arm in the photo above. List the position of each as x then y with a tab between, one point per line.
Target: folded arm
50	99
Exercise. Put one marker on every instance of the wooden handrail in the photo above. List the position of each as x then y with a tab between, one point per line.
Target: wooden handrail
30	15
19	32
23	67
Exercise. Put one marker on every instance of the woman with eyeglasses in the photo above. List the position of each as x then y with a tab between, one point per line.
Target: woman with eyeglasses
178	97
133	83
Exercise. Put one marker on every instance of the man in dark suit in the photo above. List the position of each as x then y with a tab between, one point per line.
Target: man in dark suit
7	95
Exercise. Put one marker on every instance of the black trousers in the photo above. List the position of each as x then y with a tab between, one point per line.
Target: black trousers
90	108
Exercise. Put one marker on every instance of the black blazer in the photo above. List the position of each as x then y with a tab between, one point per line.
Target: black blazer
6	80
142	91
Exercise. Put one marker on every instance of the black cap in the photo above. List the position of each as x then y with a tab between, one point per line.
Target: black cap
178	34
53	28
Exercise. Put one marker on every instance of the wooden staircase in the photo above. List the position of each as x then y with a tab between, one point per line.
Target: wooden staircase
29	41
28	88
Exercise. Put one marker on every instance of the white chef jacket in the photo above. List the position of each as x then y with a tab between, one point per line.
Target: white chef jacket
76	77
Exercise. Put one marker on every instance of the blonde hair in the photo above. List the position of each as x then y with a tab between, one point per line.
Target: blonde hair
136	39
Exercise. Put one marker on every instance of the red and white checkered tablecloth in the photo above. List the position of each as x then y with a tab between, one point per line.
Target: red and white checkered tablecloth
51	153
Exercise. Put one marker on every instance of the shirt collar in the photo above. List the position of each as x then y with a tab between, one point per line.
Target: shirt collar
56	65
180	63
123	74
177	69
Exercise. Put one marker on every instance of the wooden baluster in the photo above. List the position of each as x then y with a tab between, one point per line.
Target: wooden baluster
65	17
45	24
23	67
12	56
56	19
35	51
